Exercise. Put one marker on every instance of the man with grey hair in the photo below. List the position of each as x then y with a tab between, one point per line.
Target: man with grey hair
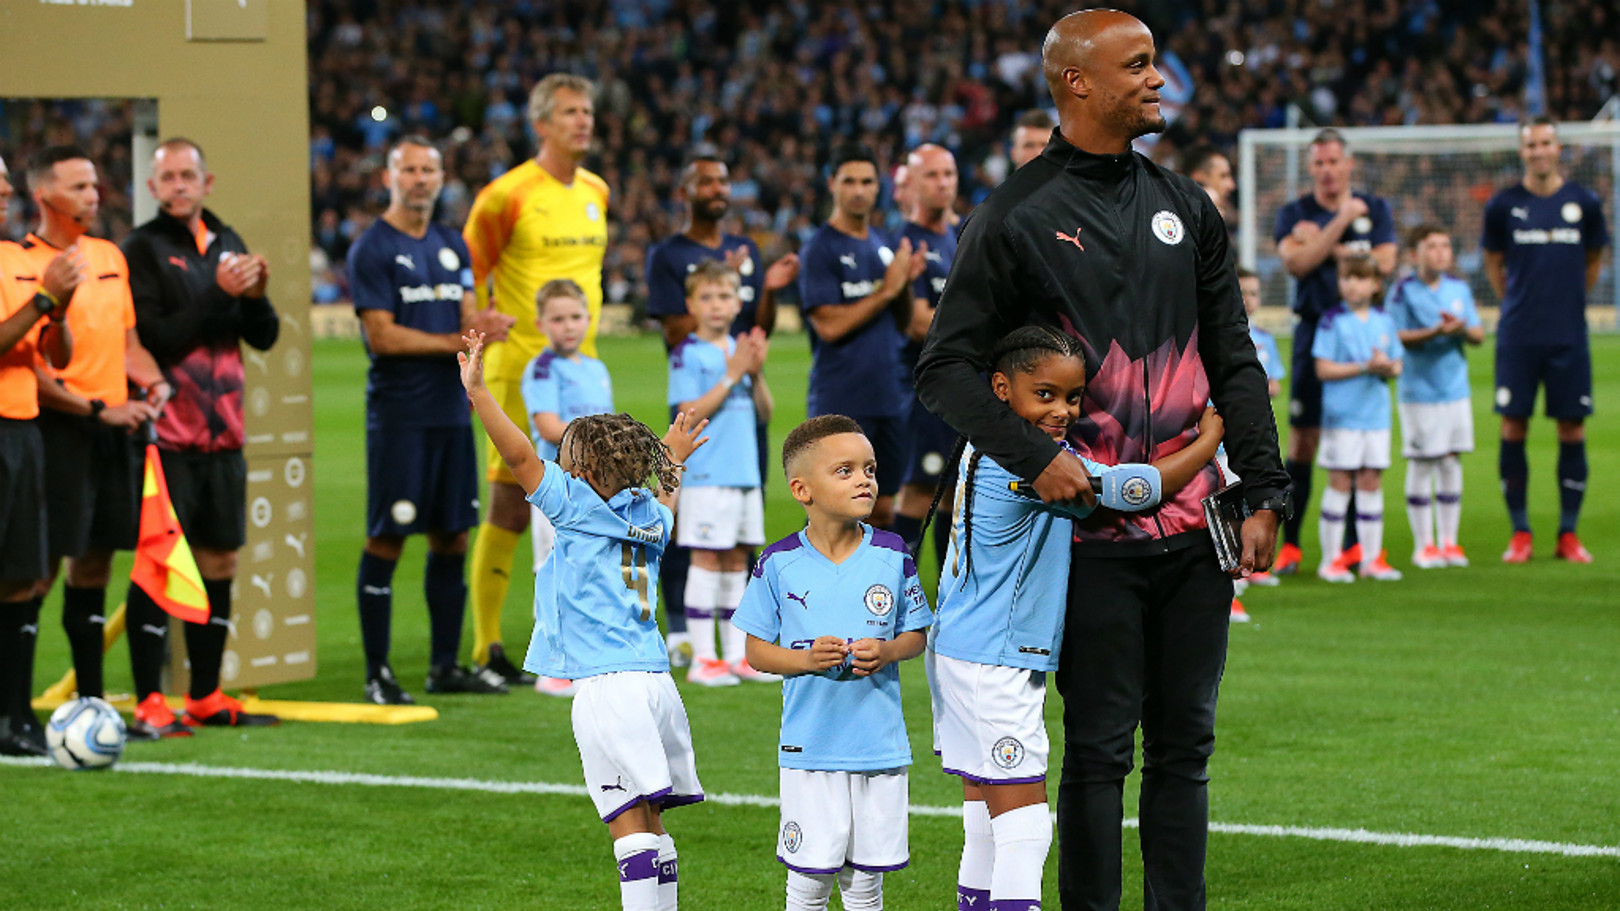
544	219
1095	241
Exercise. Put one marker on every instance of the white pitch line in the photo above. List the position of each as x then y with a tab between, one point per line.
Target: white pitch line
1353	836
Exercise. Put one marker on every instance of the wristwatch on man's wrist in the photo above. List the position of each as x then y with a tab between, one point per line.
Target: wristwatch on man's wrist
44	303
97	406
1282	505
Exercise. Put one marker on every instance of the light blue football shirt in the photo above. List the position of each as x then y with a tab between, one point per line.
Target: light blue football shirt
596	599
1265	347
1437	370
1007	608
834	720
731	457
566	387
1360	402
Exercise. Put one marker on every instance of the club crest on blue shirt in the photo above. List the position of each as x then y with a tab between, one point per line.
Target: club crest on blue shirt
1362	225
792	837
885	254
1167	227
1571	212
449	259
1007	752
879	600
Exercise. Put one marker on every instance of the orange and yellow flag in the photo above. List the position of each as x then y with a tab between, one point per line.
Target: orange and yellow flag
164	566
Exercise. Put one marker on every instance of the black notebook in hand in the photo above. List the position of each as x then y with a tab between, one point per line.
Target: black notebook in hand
1225	511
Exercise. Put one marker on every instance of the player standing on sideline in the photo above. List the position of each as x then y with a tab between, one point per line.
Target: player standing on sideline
834	607
412	286
856	294
1357	351
931	197
199	295
705	193
28	323
544	219
1544	240
93	475
596	619
1132	260
1313	233
1434	313
1031	132
559	385
719	378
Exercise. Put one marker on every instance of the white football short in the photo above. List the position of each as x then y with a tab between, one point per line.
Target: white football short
989	720
634	742
541	534
1349	450
1430	430
834	819
720	518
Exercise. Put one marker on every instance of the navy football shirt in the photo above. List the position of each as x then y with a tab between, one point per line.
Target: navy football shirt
421	282
1544	240
1318	292
860	374
931	283
669	262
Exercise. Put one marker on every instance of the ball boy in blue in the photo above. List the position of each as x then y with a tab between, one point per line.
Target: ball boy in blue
833	608
1000	623
715	376
1357	352
1434	313
595	619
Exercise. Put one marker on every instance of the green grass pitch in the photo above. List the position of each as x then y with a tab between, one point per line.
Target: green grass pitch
1480	703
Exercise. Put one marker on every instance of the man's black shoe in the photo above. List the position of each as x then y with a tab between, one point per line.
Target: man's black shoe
384	689
511	673
453	678
25	739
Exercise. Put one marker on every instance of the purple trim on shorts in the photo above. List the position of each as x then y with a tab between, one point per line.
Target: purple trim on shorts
808	871
679	800
993	781
648	798
868	868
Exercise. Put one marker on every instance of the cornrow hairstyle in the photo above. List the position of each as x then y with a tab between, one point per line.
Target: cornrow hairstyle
1019	351
811	432
621	452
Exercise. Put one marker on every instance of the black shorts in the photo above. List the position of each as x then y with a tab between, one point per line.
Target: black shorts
1305	390
929	441
420	479
209	492
92	485
22	502
1566	371
888	438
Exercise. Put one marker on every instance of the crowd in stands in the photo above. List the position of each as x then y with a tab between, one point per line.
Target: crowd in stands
775	83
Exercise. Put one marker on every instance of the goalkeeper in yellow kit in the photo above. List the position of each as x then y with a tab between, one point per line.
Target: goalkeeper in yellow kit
542	220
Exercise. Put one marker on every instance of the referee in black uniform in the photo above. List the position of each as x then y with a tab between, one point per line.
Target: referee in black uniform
1132	260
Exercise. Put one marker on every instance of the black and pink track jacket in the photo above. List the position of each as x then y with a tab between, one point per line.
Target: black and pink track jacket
1133	260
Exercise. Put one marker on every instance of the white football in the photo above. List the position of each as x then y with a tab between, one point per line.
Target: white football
85	734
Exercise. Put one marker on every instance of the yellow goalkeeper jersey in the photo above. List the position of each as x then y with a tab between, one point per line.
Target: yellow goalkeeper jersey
525	229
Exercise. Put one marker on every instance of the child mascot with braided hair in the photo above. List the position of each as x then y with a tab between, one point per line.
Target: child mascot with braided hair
610	495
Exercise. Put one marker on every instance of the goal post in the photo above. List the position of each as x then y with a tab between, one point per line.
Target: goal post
1442	174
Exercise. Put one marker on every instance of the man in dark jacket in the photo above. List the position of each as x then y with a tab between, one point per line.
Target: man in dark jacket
1132	260
199	294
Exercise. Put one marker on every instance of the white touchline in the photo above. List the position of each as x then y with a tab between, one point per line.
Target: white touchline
1354	836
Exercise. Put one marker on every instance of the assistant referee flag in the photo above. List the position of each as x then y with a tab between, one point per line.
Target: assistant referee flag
164	566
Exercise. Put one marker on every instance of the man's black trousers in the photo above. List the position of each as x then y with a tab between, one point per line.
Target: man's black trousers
1144	643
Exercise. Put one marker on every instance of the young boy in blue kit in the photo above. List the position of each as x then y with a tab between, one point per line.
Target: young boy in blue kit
717	377
833	608
595	619
1434	313
1357	351
560	384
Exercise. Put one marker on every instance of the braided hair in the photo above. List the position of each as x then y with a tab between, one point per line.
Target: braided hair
621	452
1019	351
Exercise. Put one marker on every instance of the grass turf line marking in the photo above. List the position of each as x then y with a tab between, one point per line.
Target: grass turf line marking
1353	836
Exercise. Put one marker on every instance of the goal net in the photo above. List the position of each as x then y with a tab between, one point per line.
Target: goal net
1439	174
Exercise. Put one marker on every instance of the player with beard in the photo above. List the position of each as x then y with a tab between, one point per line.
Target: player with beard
1102	244
705	191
